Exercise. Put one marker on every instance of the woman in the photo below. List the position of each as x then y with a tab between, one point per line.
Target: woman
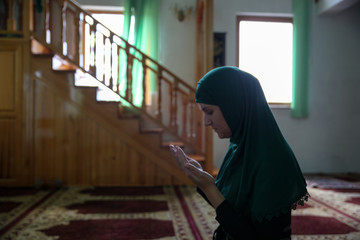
259	180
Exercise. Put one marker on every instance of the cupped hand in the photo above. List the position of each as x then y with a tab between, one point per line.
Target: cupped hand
181	158
198	176
192	168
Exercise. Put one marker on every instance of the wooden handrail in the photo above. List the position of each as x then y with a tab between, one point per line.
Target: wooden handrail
73	34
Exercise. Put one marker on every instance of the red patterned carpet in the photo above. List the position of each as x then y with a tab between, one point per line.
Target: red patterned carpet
332	212
104	213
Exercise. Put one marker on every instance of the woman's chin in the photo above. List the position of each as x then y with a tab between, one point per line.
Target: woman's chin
222	135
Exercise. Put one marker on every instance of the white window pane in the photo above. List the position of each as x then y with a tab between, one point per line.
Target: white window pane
265	50
114	22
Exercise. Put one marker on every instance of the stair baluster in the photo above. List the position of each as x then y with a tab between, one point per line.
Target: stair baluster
81	32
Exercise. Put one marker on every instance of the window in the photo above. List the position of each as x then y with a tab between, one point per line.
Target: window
265	51
115	22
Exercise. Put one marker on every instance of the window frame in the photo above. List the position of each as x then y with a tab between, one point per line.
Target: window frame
260	18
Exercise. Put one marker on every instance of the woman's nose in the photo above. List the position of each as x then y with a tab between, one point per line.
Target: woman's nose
207	121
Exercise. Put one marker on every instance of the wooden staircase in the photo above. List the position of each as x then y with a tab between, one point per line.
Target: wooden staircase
55	130
127	124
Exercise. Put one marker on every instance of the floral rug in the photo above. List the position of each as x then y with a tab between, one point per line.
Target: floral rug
332	212
168	212
106	213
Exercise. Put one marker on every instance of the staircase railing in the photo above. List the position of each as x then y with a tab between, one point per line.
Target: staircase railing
73	34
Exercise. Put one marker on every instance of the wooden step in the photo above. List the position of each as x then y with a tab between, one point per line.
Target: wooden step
110	106
151	130
39	49
65	70
51	55
128	112
175	143
90	92
60	64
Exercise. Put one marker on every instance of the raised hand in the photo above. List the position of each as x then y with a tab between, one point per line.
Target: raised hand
179	156
191	167
197	175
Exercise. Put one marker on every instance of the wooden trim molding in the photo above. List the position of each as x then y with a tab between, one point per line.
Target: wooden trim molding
204	63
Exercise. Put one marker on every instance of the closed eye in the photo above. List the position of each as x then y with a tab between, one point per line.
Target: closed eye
209	112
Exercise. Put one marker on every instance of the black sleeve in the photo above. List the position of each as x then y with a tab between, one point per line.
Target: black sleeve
237	226
234	225
242	227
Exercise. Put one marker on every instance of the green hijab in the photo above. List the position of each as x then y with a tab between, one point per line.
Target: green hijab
259	175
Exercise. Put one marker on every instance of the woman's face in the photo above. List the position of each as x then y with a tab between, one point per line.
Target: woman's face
214	118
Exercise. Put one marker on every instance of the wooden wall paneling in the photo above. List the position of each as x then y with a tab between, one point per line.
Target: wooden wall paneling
7	148
11	68
110	159
64	141
93	150
7	90
114	146
80	168
55	138
204	62
26	172
121	157
44	146
120	161
59	160
68	143
77	166
133	166
104	169
109	170
86	143
148	171
110	148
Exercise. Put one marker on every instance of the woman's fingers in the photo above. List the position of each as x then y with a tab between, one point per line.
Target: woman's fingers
191	167
175	155
192	172
182	154
182	159
190	160
173	151
179	156
195	163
